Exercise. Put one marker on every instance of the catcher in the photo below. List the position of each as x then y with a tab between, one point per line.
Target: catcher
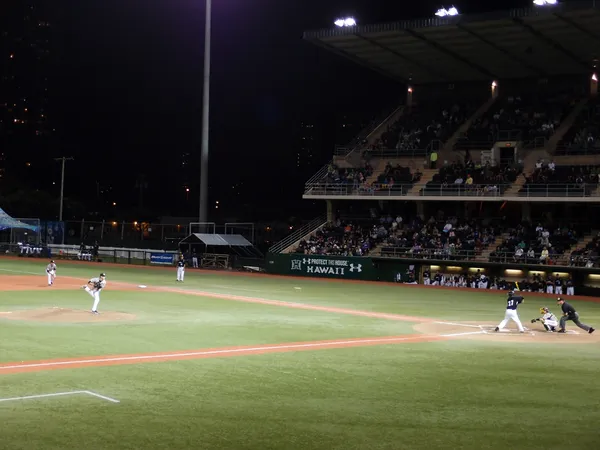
549	320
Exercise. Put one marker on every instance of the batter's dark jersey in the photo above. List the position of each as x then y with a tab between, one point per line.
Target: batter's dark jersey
513	302
181	264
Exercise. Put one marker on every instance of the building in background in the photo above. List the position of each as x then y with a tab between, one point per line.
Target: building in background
307	145
25	74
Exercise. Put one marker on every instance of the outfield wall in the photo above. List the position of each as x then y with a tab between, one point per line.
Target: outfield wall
586	280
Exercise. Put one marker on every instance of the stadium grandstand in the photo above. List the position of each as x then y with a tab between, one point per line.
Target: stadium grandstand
493	157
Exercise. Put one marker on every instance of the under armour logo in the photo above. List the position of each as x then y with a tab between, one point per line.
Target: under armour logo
296	264
356	268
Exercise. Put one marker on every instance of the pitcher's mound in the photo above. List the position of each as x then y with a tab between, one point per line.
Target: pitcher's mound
66	315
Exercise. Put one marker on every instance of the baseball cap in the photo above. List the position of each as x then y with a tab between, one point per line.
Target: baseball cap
103	274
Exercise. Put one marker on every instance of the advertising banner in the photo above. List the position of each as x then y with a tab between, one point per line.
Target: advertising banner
162	258
348	267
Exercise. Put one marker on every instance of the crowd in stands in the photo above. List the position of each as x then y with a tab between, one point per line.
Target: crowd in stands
535	245
353	176
446	239
342	239
416	128
393	178
584	134
531	115
486	179
396	178
569	180
589	256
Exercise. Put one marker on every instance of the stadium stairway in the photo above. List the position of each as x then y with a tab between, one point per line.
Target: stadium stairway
513	190
428	175
484	256
289	243
447	153
563	260
565	126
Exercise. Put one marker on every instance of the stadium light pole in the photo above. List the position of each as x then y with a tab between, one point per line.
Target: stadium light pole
203	216
63	159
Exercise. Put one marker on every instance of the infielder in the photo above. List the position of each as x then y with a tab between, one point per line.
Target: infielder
93	287
569	313
512	303
51	272
180	269
548	319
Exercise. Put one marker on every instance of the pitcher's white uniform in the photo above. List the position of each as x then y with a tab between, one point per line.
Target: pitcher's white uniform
180	269
512	304
97	285
51	272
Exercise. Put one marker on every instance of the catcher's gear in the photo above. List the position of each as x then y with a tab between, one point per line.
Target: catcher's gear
544	310
535	320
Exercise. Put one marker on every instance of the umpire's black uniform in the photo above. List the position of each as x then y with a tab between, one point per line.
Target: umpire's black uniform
569	313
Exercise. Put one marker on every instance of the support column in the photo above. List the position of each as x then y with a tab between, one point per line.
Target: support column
330	211
525	212
421	209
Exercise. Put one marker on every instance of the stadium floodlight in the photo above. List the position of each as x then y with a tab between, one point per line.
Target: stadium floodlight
346	22
447	12
594	77
544	2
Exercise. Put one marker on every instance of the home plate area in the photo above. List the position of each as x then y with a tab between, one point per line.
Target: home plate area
532	334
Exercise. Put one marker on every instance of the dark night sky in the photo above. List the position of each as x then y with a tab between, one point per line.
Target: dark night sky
129	84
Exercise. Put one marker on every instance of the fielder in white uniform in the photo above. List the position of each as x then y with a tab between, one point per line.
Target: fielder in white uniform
93	287
548	319
512	303
51	272
180	269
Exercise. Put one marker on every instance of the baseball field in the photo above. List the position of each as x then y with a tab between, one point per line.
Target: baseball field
231	361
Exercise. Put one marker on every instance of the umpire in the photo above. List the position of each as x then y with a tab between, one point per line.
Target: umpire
569	313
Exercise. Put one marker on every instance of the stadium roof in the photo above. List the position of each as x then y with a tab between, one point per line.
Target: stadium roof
563	39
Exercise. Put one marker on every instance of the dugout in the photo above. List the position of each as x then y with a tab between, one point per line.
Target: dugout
222	251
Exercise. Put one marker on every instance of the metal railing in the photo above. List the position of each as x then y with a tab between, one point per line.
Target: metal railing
465	144
474	190
559	190
509	135
391	251
298	234
535	143
375	190
401	153
357	144
562	149
462	190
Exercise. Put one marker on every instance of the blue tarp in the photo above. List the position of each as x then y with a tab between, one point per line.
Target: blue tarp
7	222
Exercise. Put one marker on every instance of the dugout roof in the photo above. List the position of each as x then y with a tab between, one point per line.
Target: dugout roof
563	39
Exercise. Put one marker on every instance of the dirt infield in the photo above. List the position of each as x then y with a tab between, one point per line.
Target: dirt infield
534	333
32	283
65	315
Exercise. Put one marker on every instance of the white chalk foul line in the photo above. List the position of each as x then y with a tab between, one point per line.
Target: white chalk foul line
463	334
459	324
233	351
61	394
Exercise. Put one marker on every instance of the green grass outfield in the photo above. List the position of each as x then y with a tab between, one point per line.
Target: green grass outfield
449	394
